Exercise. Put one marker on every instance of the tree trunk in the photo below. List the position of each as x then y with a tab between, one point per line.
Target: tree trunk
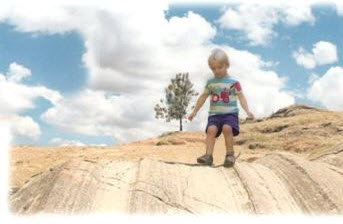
180	124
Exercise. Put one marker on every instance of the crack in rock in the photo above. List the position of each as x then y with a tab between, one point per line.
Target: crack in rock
175	205
328	154
204	202
245	186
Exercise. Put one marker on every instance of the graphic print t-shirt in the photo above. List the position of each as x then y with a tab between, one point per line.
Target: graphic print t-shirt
223	95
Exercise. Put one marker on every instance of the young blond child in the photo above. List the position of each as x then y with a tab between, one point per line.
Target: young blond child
223	113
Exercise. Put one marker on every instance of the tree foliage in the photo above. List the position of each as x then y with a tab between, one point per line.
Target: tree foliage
178	95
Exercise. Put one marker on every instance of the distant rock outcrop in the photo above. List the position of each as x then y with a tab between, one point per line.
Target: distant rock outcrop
332	156
277	183
293	110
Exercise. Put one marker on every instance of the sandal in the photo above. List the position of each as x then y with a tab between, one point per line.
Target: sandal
229	160
205	159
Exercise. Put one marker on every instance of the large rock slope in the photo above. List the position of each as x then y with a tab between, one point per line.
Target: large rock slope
277	183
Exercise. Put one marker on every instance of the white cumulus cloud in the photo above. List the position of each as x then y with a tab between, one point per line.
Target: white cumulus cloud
16	96
97	113
89	113
17	72
67	142
322	53
339	9
328	89
22	126
133	58
325	53
256	21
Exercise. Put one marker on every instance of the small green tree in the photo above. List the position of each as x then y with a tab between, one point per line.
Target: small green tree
178	96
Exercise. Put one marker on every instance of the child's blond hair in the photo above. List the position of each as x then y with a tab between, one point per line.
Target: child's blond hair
220	55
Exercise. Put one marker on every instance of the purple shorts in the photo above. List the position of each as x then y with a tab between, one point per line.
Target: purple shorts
220	119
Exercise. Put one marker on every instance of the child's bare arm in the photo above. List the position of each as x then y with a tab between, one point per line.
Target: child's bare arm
244	104
201	100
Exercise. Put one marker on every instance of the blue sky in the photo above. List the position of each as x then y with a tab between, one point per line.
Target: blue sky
100	83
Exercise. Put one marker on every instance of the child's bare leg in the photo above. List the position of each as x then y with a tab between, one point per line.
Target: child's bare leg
228	135
211	139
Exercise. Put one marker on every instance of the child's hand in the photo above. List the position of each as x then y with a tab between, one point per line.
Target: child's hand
191	116
250	116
